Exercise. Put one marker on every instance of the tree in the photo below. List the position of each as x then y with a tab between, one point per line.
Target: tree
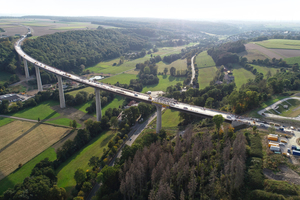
254	129
80	176
218	120
86	187
94	161
172	71
114	122
166	70
74	124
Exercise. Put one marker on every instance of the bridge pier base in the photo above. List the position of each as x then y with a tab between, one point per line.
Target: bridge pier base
26	69
158	118
98	104
61	92
38	78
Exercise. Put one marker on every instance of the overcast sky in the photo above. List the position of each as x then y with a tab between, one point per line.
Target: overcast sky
262	10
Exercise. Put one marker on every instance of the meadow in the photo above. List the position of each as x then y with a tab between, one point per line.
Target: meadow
20	174
252	54
280	44
66	171
4	121
42	111
292	60
178	64
16	137
204	60
241	75
164	82
292	111
121	78
170	119
62	121
206	75
264	70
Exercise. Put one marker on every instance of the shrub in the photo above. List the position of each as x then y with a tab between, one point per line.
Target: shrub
262	195
280	187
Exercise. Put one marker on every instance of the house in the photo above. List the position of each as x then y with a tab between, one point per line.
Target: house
131	103
228	77
10	98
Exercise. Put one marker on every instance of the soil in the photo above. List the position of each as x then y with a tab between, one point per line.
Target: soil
288	53
271	54
285	174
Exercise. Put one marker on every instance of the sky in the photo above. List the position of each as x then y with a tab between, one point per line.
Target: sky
241	10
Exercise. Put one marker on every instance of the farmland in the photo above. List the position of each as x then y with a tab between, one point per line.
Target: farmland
164	82
178	64
20	174
65	173
265	70
28	138
252	54
205	76
241	76
292	60
280	44
62	121
4	121
121	78
204	60
42	111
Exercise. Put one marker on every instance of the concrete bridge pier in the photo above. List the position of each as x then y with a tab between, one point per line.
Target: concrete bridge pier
38	78
158	118
26	68
61	92
98	104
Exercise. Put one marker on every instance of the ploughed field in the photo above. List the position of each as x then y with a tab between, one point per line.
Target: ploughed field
21	141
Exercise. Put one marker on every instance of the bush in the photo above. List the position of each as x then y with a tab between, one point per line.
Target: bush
280	187
255	179
262	195
256	146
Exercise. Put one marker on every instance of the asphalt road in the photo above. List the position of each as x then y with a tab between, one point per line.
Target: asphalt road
193	70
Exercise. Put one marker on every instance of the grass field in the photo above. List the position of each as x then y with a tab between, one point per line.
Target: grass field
86	89
164	82
280	44
65	172
265	70
21	141
241	76
178	64
115	103
18	88
121	78
252	54
42	111
170	119
205	76
4	121
204	60
294	110
19	175
62	121
4	76
292	60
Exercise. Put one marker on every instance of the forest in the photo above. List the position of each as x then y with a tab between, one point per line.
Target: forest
73	50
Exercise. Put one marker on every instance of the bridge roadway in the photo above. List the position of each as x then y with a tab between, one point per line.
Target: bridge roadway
158	101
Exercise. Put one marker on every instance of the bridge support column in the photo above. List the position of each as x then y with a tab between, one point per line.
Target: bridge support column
98	104
26	68
61	92
158	118
38	78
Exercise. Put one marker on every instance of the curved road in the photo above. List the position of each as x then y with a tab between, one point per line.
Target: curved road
193	70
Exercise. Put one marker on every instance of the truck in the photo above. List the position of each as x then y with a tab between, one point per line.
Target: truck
296	153
275	148
273	137
294	147
273	144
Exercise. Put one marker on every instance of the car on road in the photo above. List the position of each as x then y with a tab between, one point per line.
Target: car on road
130	139
135	94
281	144
185	108
228	117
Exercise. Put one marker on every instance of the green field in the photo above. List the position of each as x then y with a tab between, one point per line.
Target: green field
170	119
205	76
65	173
115	103
4	76
86	89
292	60
280	44
19	175
241	75
178	64
164	82
294	110
204	60
63	122
4	121
265	70
42	111
121	78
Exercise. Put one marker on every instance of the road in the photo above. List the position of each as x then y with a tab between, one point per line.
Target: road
19	118
193	70
278	116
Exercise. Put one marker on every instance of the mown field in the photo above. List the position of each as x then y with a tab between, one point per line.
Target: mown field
178	64
170	119
66	171
292	60
20	174
205	76
252	54
42	111
241	75
164	82
280	44
121	78
29	138
62	121
265	70
204	60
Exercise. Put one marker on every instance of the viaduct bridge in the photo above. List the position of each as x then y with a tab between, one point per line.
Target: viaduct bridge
159	102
